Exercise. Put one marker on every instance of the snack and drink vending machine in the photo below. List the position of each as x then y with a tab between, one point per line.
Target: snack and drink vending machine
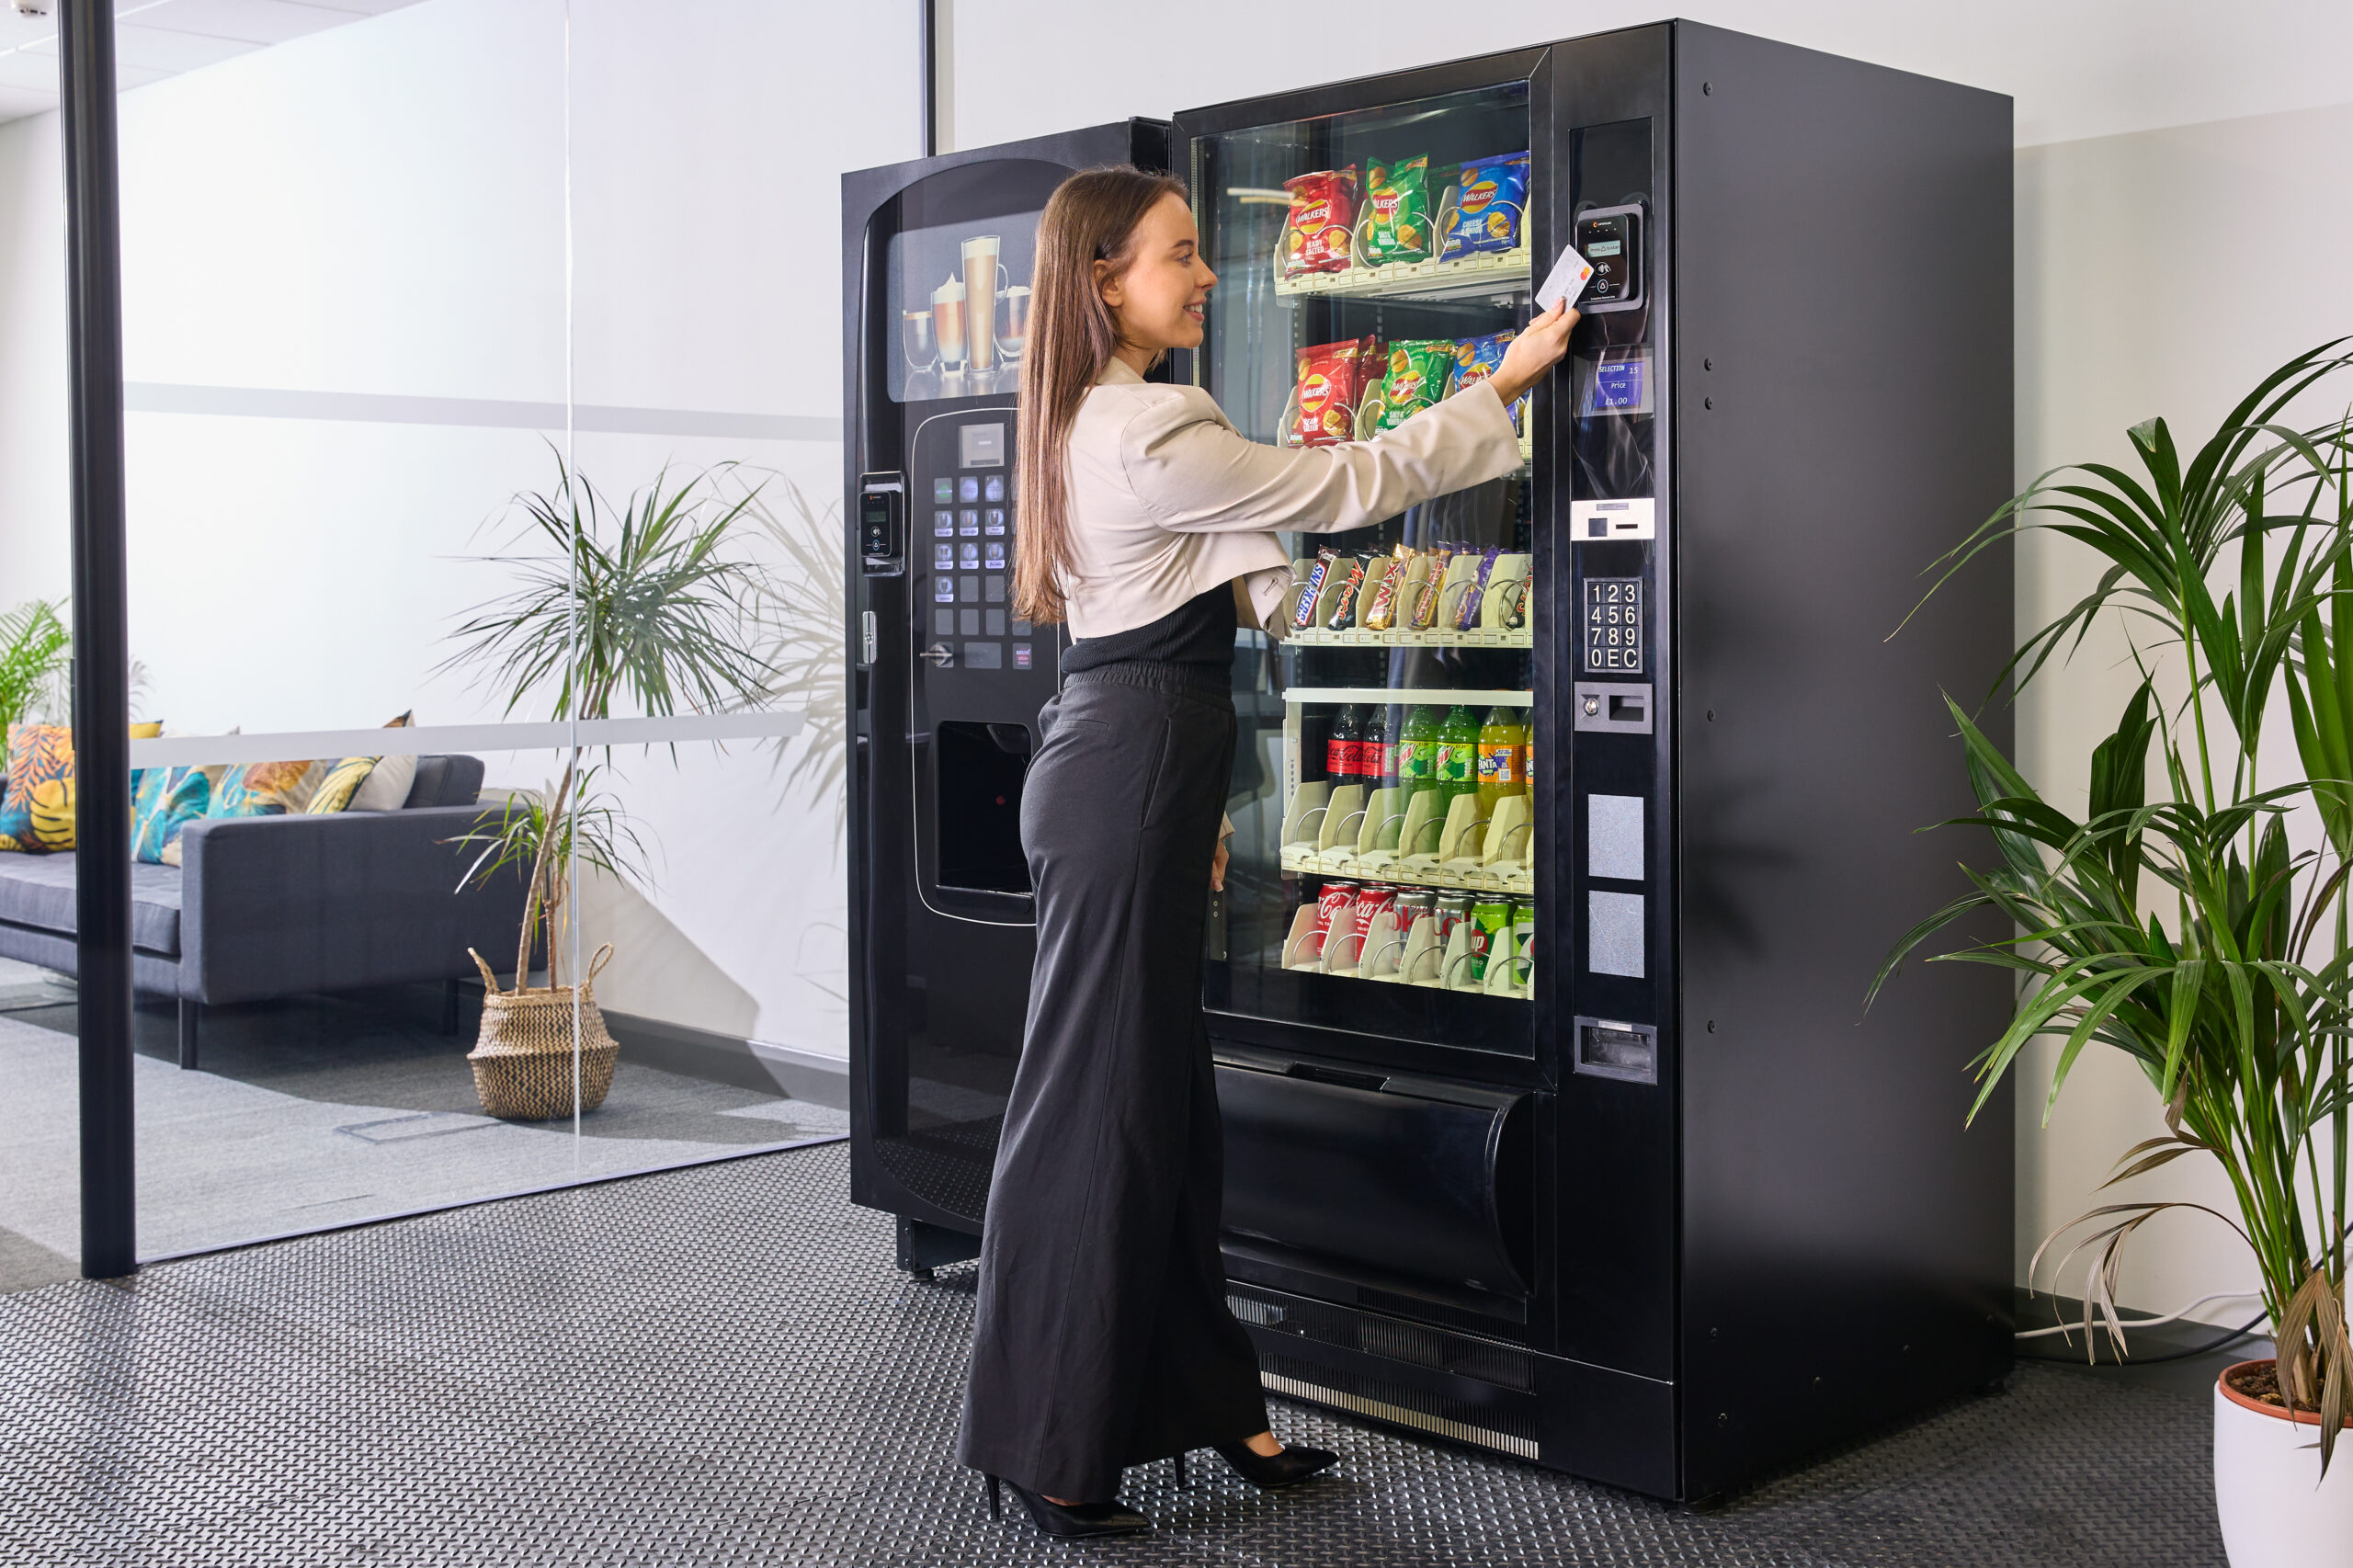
1574	812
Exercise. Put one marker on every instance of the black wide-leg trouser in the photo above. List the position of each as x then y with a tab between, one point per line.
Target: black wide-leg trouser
1101	1337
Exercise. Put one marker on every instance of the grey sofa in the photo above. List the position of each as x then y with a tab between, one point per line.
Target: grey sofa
264	907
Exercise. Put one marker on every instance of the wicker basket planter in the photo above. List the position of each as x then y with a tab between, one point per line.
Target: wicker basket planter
522	1058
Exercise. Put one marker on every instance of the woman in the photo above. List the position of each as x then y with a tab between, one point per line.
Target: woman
1101	1337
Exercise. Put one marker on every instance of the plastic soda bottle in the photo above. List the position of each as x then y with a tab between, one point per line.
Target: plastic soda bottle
1377	753
1417	753
1343	753
1458	753
1503	757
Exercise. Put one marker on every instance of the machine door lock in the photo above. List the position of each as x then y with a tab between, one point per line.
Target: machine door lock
883	524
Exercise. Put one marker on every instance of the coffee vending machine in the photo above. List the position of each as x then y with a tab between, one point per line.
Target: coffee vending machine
1574	812
938	258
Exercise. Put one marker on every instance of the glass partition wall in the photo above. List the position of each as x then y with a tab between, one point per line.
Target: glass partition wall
479	599
40	1207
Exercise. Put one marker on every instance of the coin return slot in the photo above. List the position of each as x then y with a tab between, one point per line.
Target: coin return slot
1619	707
1608	1050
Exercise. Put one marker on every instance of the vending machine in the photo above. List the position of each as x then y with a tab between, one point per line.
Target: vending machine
945	680
1576	812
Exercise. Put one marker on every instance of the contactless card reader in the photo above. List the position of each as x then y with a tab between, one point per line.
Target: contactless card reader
882	523
1611	239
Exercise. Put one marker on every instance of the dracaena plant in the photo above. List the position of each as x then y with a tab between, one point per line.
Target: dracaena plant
644	603
2190	918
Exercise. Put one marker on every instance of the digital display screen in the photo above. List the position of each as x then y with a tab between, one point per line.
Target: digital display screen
979	446
1608	244
1618	385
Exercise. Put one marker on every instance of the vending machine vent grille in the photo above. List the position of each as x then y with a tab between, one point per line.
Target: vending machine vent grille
1505	1366
1383	1402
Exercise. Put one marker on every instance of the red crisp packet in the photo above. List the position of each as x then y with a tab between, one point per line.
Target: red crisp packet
1331	383
1319	236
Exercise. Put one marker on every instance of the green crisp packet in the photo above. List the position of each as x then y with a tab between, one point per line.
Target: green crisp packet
1397	207
1415	378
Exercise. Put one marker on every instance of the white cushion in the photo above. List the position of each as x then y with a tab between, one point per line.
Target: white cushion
386	786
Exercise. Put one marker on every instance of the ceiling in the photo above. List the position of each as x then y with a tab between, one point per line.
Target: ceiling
155	39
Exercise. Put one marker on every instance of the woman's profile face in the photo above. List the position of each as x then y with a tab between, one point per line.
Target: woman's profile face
1158	299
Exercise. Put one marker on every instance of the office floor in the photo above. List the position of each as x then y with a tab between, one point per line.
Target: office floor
321	1111
720	1364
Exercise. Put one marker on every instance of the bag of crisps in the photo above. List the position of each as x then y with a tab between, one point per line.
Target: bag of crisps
1331	383
1323	216
1414	378
1476	359
1489	202
1398	198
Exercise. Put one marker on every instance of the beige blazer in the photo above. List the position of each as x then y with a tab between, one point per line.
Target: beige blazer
1168	499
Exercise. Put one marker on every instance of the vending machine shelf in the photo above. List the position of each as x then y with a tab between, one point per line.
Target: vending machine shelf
1499	273
1443	637
1395	695
1306	860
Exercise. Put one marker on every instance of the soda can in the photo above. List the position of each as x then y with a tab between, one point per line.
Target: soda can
1489	919
1336	896
1523	932
1453	909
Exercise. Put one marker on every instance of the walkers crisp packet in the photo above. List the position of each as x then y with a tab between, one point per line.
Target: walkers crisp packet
1415	378
1476	359
1397	227
1323	216
1489	202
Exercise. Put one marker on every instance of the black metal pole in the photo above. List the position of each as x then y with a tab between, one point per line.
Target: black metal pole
101	640
930	77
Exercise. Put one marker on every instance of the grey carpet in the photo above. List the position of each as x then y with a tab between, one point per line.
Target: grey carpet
720	1366
322	1112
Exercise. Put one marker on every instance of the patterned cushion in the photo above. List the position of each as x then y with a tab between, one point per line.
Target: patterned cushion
265	788
165	799
37	814
341	782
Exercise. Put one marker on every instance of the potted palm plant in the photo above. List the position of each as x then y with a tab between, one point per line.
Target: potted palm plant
2195	916
645	604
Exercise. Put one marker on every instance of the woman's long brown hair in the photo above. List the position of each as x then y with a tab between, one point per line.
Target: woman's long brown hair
1091	217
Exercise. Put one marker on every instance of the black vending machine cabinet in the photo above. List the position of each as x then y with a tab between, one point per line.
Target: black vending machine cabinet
1578	810
1573	812
946	682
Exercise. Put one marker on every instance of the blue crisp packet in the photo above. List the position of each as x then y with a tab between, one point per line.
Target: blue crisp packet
1476	359
1490	200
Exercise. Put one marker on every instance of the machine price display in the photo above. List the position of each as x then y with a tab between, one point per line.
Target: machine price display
1613	625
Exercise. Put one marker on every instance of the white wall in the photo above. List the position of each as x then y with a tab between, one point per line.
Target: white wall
2085	68
2132	303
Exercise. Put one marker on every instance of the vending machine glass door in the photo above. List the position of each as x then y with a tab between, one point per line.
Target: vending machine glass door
1388	827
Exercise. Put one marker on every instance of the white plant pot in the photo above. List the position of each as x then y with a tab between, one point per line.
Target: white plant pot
2276	1510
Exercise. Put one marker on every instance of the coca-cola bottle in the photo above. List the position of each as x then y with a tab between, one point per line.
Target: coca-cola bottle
1344	752
1377	753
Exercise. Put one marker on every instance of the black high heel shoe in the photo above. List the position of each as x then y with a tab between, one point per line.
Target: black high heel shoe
1294	1464
1077	1521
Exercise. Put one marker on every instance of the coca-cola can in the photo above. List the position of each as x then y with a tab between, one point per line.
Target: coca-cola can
1375	900
1336	896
